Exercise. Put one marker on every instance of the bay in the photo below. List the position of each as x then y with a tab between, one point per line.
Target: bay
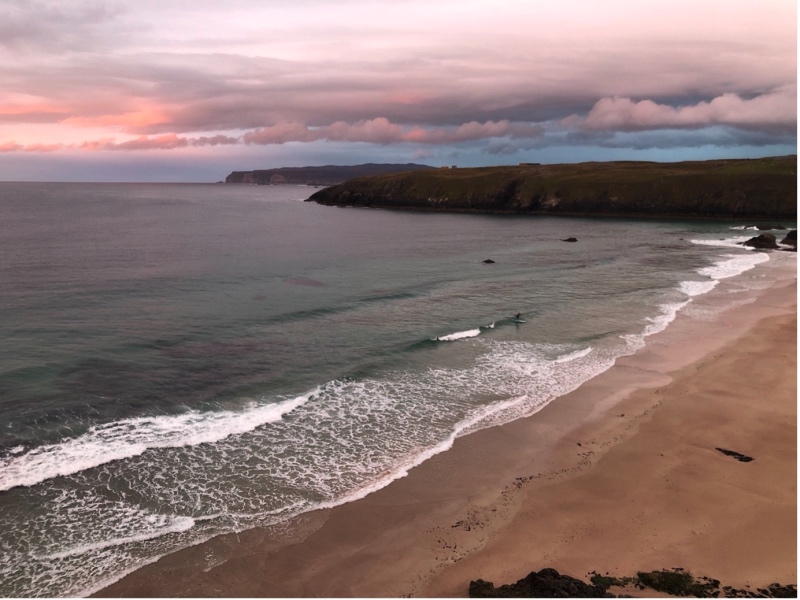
181	361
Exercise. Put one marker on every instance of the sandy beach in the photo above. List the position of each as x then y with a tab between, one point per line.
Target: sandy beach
621	475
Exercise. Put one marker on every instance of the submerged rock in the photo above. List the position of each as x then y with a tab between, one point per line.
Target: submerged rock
770	227
489	261
547	583
570	239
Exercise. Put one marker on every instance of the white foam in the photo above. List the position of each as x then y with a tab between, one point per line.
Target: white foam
733	264
744	227
402	468
729	242
573	355
697	288
460	335
728	265
132	437
168	525
668	313
658	323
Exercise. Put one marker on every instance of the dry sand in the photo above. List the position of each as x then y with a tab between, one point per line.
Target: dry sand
621	475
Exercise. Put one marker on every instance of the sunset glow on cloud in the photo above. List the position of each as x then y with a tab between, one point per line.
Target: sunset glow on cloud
249	84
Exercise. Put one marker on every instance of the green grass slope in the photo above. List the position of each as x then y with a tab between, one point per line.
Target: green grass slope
756	188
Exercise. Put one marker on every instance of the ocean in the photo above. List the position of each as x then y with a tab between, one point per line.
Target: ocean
180	361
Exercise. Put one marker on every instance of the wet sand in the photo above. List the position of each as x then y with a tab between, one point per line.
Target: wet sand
619	476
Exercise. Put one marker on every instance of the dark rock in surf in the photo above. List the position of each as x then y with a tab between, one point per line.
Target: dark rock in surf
790	239
765	240
547	583
570	239
489	261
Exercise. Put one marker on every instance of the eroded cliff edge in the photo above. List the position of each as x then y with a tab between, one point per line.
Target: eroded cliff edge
753	188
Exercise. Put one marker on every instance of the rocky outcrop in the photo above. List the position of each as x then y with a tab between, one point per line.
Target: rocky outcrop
743	189
764	241
547	583
790	239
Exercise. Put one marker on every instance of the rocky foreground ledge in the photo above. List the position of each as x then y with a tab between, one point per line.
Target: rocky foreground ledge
764	188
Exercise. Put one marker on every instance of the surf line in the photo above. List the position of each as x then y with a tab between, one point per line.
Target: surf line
460	335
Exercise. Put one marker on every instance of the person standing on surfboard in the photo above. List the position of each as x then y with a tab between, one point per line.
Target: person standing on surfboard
518	316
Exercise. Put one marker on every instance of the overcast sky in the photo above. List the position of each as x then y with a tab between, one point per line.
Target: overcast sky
188	90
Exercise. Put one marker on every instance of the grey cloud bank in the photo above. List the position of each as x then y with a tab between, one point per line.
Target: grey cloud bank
474	82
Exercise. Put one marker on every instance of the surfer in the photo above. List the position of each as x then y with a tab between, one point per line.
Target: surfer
518	316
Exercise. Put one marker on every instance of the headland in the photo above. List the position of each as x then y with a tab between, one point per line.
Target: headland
760	188
318	176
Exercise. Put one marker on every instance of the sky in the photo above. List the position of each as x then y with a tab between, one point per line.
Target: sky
190	90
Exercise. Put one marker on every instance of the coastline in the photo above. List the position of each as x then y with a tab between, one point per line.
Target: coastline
580	486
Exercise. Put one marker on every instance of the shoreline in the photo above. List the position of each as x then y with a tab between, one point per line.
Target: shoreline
508	500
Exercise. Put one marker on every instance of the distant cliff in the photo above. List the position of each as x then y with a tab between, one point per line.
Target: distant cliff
765	187
326	175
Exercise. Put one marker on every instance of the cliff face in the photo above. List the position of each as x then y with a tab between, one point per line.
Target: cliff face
720	188
325	175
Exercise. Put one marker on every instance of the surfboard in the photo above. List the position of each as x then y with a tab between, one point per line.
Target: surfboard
519	320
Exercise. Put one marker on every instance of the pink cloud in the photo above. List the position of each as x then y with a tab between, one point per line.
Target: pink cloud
381	131
279	134
43	147
161	142
214	140
168	141
102	144
128	121
15	147
374	131
775	108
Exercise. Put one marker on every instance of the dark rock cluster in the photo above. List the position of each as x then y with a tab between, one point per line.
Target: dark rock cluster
547	583
768	241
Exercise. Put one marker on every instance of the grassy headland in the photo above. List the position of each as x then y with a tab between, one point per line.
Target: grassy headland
325	175
752	188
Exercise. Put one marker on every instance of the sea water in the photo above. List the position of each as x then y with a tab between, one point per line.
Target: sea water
183	361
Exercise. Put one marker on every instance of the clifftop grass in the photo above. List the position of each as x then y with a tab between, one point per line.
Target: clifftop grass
756	188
